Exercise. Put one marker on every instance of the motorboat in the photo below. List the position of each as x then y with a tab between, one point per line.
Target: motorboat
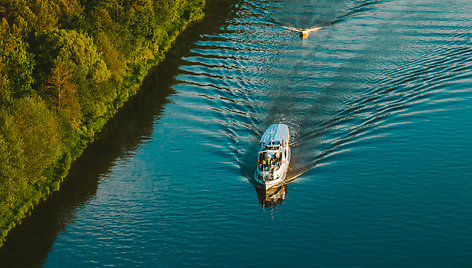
274	156
302	32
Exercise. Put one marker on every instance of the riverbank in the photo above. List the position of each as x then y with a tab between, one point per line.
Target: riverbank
66	70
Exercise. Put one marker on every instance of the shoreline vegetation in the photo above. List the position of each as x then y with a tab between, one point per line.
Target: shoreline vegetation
66	67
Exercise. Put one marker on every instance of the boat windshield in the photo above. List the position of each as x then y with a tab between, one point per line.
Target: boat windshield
272	148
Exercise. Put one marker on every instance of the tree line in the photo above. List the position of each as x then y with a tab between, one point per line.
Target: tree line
66	66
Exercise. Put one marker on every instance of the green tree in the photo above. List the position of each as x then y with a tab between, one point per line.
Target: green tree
80	55
63	93
40	134
12	176
16	63
5	91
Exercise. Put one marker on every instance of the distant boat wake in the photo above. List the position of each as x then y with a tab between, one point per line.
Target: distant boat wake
349	12
302	32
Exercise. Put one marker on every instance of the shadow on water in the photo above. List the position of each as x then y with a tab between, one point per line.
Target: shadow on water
29	243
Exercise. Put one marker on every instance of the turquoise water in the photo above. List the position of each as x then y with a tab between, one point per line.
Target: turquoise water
379	105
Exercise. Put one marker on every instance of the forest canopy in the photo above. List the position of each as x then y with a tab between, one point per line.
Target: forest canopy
66	66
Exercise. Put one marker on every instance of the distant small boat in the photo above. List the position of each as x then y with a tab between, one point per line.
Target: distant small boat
274	156
302	32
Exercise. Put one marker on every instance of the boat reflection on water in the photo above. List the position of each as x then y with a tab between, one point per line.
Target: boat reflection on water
271	197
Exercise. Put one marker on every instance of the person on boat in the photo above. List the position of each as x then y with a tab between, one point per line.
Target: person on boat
277	160
272	163
261	160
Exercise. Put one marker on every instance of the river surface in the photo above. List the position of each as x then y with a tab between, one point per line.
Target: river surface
379	105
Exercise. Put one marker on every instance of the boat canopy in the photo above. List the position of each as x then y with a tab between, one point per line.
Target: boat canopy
275	135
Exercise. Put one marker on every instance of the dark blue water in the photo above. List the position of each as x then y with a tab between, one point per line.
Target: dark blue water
379	105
